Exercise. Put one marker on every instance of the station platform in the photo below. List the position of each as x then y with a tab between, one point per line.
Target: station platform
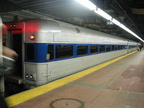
118	83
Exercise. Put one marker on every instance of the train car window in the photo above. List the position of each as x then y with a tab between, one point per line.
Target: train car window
116	47
102	48
63	51
113	47
120	47
51	51
108	47
132	46
81	50
30	52
129	47
93	49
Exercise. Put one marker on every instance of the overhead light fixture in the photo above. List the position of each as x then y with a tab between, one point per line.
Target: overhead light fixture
87	4
103	14
100	12
116	22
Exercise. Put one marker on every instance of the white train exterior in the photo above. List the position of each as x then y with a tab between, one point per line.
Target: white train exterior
50	49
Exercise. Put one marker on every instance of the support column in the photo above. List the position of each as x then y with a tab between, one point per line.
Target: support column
2	88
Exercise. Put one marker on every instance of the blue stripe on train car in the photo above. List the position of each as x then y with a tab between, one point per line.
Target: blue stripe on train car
39	50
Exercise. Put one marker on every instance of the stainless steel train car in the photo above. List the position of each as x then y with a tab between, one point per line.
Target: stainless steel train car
50	49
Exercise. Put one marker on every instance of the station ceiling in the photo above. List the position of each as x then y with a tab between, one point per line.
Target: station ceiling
128	12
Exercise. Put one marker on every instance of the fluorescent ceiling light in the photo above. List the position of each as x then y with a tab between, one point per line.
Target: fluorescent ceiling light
116	22
100	12
103	14
87	4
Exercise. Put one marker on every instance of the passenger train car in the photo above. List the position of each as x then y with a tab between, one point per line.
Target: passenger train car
50	49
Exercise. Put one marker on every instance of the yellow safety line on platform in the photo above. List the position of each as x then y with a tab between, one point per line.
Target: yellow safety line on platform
27	95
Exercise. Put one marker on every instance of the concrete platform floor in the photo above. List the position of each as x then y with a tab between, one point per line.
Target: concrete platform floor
118	85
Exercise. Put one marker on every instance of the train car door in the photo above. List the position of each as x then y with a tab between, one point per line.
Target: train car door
14	41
